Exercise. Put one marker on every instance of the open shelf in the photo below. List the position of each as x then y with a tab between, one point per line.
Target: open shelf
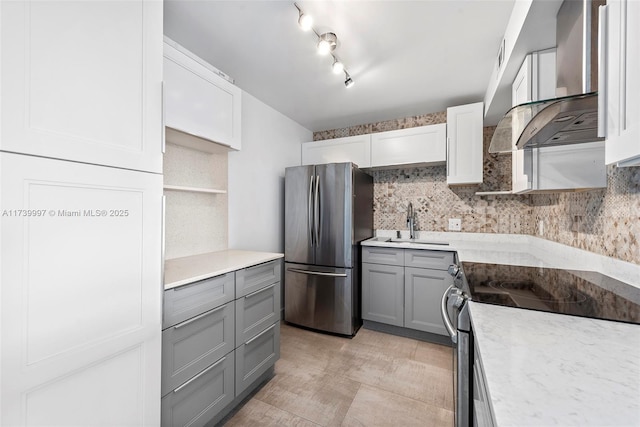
194	189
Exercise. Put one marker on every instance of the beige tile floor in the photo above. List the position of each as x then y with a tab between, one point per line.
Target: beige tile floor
374	379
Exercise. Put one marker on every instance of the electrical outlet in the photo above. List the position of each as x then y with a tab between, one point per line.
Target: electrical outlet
455	224
541	227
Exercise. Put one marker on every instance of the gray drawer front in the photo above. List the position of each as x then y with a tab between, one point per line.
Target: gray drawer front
379	255
437	260
257	311
185	302
256	356
191	346
253	278
201	399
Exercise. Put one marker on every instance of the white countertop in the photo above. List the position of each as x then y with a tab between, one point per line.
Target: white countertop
545	369
181	271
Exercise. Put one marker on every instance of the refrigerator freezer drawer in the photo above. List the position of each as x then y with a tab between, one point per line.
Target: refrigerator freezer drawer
321	298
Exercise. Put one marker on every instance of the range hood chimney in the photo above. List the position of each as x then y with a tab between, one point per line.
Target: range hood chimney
572	117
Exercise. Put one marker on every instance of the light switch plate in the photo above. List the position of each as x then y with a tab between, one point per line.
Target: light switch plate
455	224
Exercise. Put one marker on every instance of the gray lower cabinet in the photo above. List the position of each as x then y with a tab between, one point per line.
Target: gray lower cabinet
423	291
403	287
220	336
198	400
256	356
383	293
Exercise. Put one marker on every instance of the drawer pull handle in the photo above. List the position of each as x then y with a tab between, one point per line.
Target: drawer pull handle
195	319
259	290
260	334
316	273
199	375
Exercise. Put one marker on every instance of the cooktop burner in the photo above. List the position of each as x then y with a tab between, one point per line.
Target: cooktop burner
579	293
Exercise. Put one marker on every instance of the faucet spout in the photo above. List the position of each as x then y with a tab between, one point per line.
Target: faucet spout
411	221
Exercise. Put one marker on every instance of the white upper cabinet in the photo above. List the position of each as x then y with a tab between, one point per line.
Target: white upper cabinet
620	84
424	144
82	81
464	144
535	81
197	100
354	149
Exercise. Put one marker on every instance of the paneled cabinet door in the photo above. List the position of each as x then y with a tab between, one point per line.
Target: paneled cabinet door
422	295
622	83
82	81
81	306
464	144
423	144
354	149
198	101
383	293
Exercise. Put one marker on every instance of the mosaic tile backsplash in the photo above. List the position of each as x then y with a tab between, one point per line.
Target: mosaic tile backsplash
605	221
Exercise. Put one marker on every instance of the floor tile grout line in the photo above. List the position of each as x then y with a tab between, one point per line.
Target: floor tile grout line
289	412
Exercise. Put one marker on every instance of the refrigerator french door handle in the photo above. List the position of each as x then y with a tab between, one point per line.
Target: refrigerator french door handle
311	210
316	273
317	210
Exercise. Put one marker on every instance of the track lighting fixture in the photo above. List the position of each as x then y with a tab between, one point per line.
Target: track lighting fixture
327	44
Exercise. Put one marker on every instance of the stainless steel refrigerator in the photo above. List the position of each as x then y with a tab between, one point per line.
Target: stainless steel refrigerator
328	212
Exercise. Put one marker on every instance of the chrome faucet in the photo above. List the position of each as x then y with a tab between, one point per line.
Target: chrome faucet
411	221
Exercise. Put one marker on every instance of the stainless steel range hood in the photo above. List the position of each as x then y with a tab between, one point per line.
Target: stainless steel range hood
569	119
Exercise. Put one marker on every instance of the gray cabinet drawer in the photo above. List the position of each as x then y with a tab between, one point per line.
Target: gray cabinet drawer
256	356
438	260
256	311
253	278
379	255
191	346
202	397
185	302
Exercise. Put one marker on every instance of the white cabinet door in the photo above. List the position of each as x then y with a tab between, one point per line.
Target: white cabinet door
623	83
423	144
464	144
354	149
82	80
197	100
81	290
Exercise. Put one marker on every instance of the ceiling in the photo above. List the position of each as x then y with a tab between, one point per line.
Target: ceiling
406	57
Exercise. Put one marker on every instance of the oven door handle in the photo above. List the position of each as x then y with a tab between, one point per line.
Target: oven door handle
445	316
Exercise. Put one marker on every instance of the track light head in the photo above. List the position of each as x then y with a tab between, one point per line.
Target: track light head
304	21
348	81
337	66
327	43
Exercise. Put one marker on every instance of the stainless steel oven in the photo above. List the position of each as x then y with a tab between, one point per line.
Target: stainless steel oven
455	313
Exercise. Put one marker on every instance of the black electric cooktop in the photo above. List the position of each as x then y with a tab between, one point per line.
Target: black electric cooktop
578	293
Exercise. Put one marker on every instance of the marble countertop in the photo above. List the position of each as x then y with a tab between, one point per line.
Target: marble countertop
545	369
181	271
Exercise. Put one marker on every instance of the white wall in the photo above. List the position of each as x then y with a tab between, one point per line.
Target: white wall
270	143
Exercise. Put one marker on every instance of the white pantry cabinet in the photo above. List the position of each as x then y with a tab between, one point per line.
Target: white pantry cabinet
83	81
197	100
354	149
621	81
81	306
464	144
423	144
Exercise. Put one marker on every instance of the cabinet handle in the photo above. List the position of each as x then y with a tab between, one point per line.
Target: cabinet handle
163	118
164	232
260	334
260	290
199	375
183	324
